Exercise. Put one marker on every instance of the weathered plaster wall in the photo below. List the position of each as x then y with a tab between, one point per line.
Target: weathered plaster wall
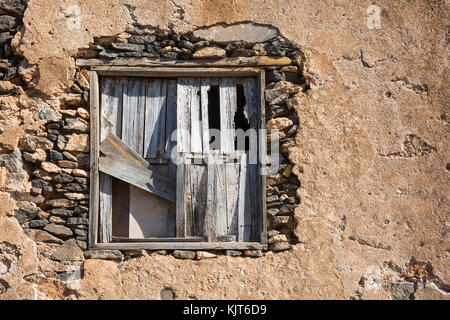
371	153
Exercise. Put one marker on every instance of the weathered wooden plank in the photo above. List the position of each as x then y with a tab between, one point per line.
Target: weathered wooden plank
211	201
263	146
138	176
205	119
184	92
155	118
113	145
188	212
227	62
198	175
227	91
171	118
158	239
242	197
180	199
232	188
221	198
94	141
110	121
196	124
182	246
133	114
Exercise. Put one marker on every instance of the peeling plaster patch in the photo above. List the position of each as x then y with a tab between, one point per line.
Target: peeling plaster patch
372	278
73	15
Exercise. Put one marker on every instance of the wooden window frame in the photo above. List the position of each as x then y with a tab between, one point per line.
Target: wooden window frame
167	72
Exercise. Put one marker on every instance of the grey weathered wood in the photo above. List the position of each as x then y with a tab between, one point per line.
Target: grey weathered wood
184	92
188	212
155	118
114	146
110	121
251	110
232	189
158	239
205	119
94	180
138	176
182	246
263	145
227	62
242	200
221	198
196	124
227	91
173	72
180	200
171	118
133	114
198	175
211	201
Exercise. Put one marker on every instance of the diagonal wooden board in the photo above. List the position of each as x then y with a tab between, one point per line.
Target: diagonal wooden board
123	163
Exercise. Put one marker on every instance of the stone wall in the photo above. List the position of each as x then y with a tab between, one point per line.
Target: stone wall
368	145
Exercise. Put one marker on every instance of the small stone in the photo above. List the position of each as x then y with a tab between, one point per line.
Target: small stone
279	221
287	209
58	230
272	198
233	253
153	50
82	244
42	236
186	45
80	232
41	174
273	212
67	164
401	290
35	191
7	22
61	212
38	223
32	143
55	155
170	55
279	246
104	254
56	220
81	209
83	113
69	156
45	112
253	253
275	76
77	142
210	53
69	251
64	203
200	44
50	167
25	211
5	36
166	49
38	156
76	196
184	254
80	173
63	178
108	54
76	187
167	294
75	124
128	46
76	221
142	39
272	233
278	124
242	53
205	255
278	238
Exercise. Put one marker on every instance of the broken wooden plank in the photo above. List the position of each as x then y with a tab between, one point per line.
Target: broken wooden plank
171	119
184	92
221	199
182	246
204	88
180	200
227	62
133	114
113	145
228	105
232	190
155	118
198	175
94	141
242	198
138	176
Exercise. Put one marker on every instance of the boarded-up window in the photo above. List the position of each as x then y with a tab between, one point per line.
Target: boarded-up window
171	168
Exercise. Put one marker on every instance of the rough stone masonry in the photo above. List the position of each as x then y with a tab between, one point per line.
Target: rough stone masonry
364	122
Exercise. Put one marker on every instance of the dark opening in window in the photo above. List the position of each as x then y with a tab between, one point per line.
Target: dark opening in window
214	113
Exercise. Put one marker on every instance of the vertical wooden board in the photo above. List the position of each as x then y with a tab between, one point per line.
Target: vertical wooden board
251	111
184	114
242	198
155	118
221	196
110	121
228	105
181	203
198	175
196	119
204	110
232	188
262	149
211	201
94	153
171	117
254	197
133	114
120	208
